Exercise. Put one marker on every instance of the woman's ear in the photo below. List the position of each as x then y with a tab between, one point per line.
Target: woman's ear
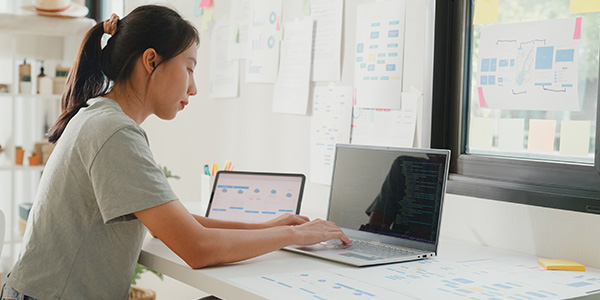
150	60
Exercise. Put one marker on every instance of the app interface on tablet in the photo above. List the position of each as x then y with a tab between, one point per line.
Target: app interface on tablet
254	197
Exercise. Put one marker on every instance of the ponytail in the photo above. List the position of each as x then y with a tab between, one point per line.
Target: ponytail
85	81
94	68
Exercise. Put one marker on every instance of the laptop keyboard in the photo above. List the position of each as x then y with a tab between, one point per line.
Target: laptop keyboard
374	250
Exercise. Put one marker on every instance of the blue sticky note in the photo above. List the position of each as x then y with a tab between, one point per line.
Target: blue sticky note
198	11
360	48
543	58
485	65
565	55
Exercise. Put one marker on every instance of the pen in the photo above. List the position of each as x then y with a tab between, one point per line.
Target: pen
227	162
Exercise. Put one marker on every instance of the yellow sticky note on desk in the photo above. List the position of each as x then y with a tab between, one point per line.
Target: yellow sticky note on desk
560	264
486	11
584	6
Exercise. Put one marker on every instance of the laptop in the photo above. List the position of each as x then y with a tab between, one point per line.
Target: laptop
388	201
254	197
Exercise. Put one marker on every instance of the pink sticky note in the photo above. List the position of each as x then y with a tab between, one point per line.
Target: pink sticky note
577	32
205	3
354	100
541	135
481	98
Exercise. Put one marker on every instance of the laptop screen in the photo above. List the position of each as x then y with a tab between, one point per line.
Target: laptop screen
391	191
254	197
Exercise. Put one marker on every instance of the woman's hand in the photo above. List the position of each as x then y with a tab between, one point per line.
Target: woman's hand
286	219
317	231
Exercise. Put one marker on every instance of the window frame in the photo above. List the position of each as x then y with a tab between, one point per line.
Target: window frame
566	186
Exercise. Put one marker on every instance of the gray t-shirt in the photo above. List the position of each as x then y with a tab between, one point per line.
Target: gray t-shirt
82	239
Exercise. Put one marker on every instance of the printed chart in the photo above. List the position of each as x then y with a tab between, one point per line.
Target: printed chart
503	278
529	66
379	54
316	285
330	124
263	41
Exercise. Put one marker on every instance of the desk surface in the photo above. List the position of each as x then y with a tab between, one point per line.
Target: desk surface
219	280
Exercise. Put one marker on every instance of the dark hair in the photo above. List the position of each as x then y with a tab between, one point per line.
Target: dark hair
148	26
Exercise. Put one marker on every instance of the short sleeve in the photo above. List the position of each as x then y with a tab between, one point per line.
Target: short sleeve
125	177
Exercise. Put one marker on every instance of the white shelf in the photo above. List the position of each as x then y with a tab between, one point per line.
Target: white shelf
35	38
33	96
22	168
46	26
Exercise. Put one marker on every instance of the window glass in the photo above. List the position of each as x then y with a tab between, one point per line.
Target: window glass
533	87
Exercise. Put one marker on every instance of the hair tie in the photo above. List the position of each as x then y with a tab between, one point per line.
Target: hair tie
110	25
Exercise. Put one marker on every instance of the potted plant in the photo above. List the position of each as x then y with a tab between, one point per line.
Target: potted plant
137	293
19	154
34	160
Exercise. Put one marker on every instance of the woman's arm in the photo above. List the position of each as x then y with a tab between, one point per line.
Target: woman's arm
282	220
200	246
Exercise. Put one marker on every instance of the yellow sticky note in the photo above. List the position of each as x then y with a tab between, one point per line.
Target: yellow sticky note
541	135
208	14
206	17
486	11
584	6
560	264
574	138
481	131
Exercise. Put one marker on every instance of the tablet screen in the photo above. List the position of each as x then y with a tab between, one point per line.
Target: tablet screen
254	197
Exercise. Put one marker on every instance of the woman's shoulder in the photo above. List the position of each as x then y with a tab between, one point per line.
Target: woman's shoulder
106	112
102	118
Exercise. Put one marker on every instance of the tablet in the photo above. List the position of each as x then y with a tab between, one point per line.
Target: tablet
254	197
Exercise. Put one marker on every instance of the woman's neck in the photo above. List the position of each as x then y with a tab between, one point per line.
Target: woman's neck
130	101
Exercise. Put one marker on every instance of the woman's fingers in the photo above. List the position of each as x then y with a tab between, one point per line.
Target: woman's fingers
318	230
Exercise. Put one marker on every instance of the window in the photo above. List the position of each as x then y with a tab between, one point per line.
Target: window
516	101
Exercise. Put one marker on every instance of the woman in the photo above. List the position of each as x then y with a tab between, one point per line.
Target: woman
101	186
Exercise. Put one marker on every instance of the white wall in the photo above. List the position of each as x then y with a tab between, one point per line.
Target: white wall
245	131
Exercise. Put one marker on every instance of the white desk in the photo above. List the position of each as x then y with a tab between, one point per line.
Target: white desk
217	280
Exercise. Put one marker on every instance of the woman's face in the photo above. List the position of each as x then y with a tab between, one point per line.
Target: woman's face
172	83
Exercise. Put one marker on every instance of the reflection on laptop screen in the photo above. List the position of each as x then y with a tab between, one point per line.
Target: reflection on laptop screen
391	191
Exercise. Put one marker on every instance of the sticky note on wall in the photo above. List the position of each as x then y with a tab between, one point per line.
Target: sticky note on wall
205	3
510	134
481	131
584	6
574	138
541	135
486	11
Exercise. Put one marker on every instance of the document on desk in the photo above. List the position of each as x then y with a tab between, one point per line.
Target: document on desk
224	73
316	284
290	93
385	127
330	124
503	278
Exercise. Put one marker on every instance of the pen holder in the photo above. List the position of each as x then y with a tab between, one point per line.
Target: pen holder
206	184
